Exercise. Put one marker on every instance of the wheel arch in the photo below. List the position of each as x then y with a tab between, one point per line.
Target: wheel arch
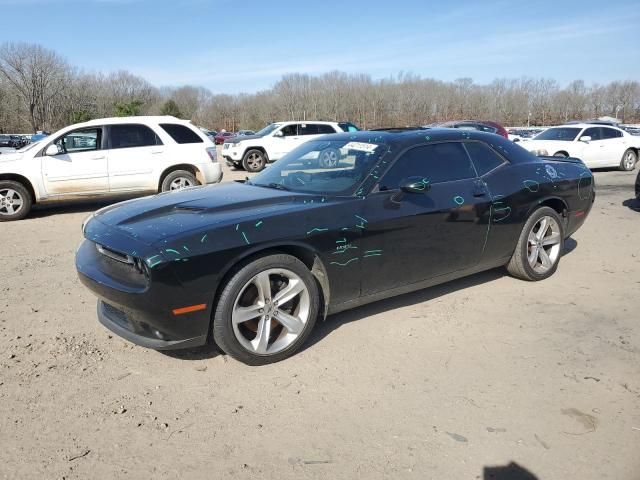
260	148
564	152
302	252
14	177
181	166
556	203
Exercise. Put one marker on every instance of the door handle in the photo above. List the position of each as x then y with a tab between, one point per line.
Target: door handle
157	151
97	157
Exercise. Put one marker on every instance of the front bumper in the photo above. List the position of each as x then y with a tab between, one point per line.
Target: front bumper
231	153
139	307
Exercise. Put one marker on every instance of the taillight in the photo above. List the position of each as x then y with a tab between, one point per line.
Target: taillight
213	154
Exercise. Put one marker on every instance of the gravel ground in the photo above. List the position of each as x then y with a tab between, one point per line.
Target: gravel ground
453	382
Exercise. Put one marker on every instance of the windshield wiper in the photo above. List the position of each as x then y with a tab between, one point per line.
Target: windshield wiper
277	186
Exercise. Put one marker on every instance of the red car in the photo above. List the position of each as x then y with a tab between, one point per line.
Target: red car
481	125
222	136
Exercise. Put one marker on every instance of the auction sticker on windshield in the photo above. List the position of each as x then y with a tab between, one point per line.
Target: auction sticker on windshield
361	146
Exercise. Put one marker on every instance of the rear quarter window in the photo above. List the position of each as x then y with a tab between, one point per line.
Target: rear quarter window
483	157
180	133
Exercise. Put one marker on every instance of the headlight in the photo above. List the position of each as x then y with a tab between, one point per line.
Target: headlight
540	152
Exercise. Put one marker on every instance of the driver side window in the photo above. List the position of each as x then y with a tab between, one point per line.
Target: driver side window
593	132
83	140
436	163
290	130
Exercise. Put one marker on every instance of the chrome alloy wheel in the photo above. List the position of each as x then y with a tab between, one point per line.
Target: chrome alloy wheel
271	311
629	160
180	183
544	244
10	202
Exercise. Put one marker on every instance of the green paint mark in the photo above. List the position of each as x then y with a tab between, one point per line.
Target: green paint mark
245	238
458	199
204	238
362	218
427	138
153	261
171	250
372	251
237	226
372	255
342	240
531	185
259	223
185	248
346	263
317	230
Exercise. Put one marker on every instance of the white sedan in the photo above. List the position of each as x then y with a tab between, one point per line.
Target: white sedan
596	145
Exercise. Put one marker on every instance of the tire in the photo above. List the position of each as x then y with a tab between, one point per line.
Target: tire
237	165
329	158
239	336
523	263
560	154
628	161
178	180
254	161
15	201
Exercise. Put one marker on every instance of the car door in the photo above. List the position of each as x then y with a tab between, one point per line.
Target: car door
80	166
411	237
614	146
594	151
135	151
284	140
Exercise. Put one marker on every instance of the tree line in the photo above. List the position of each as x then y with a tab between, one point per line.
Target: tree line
40	90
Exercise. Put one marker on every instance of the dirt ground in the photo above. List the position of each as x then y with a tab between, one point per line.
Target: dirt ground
474	379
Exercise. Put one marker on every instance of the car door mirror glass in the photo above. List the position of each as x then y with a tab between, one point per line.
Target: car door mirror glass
415	185
585	138
52	150
278	134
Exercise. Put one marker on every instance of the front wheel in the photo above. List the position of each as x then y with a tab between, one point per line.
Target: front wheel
15	201
266	310
254	161
628	162
539	247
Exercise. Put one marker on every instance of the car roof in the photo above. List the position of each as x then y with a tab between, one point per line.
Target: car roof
307	121
586	125
152	119
410	136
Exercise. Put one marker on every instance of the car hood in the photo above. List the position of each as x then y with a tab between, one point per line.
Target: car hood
161	218
10	156
241	138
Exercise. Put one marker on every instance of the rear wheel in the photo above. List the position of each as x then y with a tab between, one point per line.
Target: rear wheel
15	201
628	162
329	158
178	180
560	154
539	247
254	161
266	310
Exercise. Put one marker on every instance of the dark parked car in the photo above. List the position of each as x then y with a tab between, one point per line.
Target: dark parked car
480	125
252	265
222	136
6	141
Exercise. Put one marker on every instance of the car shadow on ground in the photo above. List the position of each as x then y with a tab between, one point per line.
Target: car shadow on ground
78	206
632	204
513	471
333	322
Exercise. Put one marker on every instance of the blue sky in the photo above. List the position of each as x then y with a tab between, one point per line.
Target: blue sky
232	46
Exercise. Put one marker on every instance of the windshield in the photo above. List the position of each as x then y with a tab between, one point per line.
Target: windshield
563	134
268	129
30	146
326	167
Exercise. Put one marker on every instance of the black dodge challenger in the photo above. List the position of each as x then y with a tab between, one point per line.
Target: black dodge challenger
341	221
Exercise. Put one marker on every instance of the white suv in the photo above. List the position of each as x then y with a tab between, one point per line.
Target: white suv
274	141
106	157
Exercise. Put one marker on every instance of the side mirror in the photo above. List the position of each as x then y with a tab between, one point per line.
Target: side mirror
278	134
585	138
415	185
52	150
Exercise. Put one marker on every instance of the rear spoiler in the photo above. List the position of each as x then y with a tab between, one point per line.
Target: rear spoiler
562	159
